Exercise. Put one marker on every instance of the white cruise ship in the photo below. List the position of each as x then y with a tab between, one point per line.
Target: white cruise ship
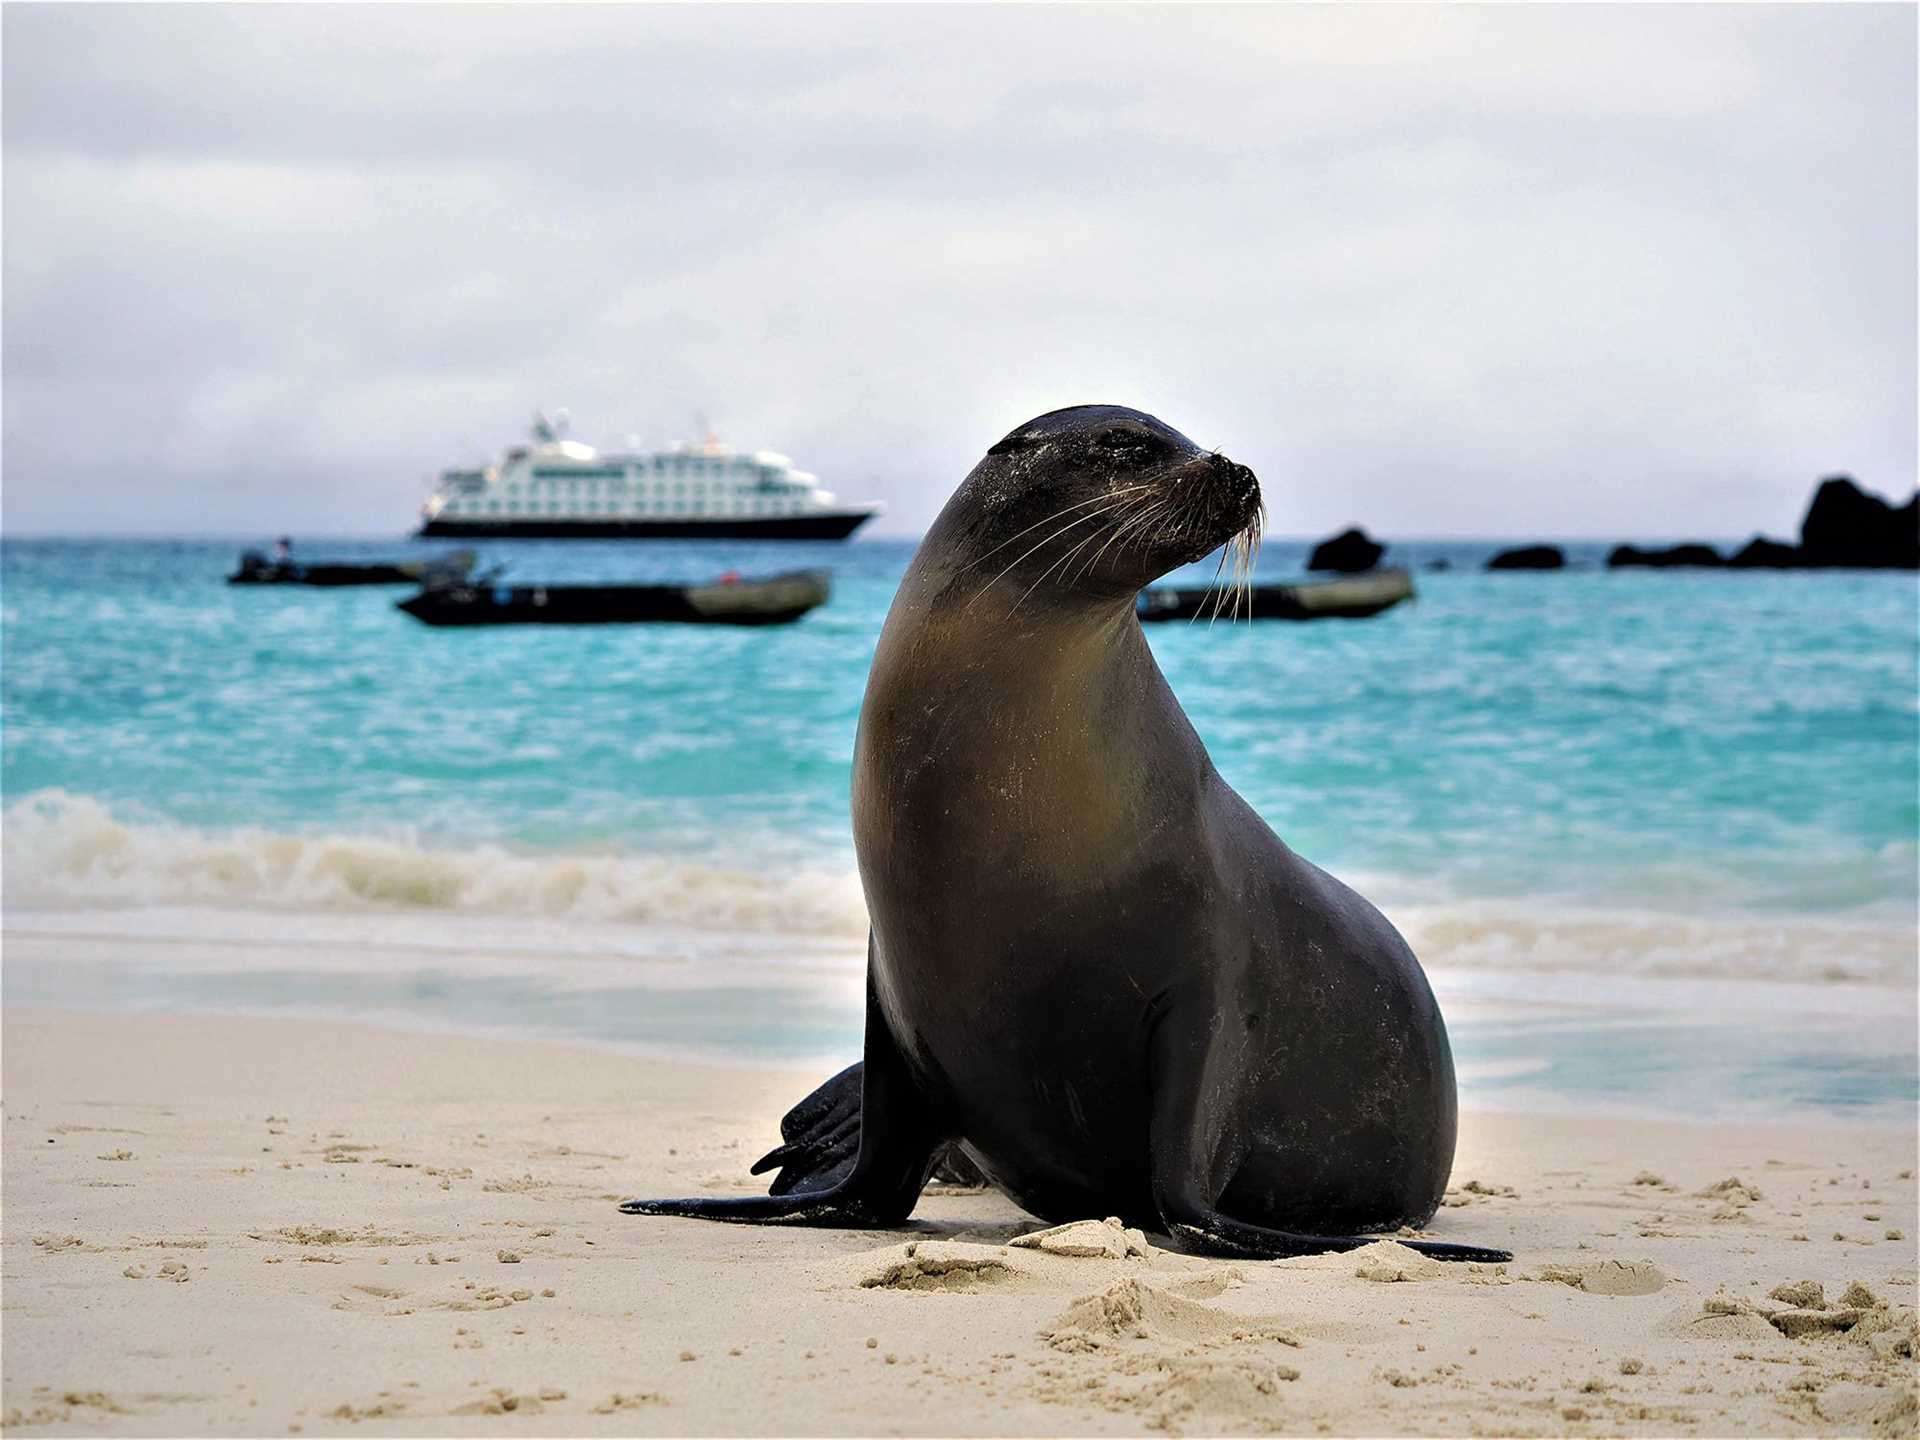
557	488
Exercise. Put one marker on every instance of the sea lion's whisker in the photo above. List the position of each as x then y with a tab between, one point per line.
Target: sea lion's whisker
1154	522
1247	543
1227	592
1058	564
1210	589
1131	523
1092	515
1243	594
1255	527
1169	528
1063	510
1061	562
1114	532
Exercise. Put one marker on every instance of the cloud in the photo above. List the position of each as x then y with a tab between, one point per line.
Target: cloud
1445	270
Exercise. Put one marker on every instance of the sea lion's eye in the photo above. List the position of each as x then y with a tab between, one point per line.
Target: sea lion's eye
1125	442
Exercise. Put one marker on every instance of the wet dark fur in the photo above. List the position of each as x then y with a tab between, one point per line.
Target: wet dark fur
1094	972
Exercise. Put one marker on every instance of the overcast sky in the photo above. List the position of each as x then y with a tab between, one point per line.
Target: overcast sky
1522	271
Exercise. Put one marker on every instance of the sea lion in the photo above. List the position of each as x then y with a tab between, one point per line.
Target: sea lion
1092	968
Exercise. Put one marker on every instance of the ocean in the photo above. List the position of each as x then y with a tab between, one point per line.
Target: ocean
1652	833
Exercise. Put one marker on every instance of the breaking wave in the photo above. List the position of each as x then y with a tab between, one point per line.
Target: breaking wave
1474	936
63	849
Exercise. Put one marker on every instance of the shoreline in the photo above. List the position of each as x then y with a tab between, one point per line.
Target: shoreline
333	1200
804	1073
1572	1042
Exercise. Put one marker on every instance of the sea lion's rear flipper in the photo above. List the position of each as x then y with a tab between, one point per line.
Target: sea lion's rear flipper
1191	1159
896	1136
1206	1231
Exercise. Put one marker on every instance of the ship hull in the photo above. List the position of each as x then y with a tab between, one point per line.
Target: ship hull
835	526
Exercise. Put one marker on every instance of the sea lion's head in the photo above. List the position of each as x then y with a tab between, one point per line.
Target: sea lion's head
1093	502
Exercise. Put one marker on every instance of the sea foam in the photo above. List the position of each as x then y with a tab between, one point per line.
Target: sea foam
62	848
71	850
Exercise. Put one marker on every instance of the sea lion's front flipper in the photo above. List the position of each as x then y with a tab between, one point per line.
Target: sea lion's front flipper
1193	1153
897	1139
821	1137
822	1140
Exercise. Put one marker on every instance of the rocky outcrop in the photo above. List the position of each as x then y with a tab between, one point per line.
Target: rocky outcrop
1530	557
1846	526
1349	553
1672	557
1761	553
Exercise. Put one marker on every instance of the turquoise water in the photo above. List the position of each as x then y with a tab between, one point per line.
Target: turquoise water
1677	776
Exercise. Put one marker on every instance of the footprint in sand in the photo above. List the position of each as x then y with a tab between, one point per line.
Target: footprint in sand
503	1401
328	1235
1129	1310
1386	1262
1087	1239
372	1300
389	1408
1609	1277
1178	1391
64	1244
930	1265
637	1400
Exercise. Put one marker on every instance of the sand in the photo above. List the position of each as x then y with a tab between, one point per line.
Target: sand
249	1226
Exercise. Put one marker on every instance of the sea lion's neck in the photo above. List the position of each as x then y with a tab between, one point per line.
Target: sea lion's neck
1040	736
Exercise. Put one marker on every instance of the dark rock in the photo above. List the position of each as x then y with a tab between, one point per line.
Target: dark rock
1438	565
1761	553
1530	557
1848	526
1349	553
1628	556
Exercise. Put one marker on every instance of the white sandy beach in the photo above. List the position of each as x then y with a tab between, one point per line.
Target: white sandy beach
245	1226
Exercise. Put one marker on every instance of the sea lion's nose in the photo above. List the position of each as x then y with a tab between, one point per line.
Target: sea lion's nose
1239	476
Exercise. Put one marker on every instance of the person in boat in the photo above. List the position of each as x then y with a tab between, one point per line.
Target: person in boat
283	551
